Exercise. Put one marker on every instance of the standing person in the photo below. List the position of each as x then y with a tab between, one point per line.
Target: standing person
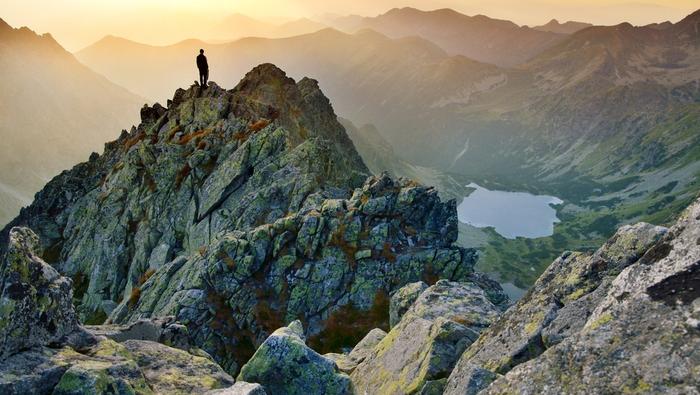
203	67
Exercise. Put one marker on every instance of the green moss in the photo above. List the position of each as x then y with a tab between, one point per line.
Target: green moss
534	324
640	387
602	320
576	295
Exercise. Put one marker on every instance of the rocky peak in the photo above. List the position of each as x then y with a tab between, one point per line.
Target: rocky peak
237	212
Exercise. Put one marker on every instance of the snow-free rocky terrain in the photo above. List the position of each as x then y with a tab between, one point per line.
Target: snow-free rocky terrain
235	242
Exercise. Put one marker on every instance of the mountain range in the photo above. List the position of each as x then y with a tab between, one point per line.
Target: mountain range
238	233
54	111
236	26
247	239
569	27
601	118
481	38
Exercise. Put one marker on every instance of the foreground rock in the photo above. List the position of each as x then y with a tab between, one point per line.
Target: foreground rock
240	388
35	301
285	365
419	352
45	351
238	212
624	319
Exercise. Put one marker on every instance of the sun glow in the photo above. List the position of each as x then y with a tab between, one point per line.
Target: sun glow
78	23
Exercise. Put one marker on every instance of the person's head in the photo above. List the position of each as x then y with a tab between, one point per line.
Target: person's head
201	51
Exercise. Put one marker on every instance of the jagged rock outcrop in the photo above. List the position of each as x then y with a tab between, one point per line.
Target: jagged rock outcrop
213	160
325	266
238	212
285	365
45	351
418	354
35	301
624	319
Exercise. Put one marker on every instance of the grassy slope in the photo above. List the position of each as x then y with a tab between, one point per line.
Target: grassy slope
655	195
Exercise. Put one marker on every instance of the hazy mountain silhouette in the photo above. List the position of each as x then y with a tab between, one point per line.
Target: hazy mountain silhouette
569	27
238	26
348	66
54	112
478	37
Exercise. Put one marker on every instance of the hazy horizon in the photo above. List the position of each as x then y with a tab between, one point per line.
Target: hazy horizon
76	24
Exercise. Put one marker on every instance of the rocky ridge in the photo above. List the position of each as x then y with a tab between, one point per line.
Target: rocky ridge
237	212
275	256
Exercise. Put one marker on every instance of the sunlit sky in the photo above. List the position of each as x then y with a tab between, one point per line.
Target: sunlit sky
78	23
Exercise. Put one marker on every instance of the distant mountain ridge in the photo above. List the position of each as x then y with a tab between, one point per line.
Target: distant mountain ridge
53	111
481	38
237	26
569	27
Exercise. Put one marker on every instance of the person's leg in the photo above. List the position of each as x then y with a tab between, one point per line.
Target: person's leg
206	77
201	77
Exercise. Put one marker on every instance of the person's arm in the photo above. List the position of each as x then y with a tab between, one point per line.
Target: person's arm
206	64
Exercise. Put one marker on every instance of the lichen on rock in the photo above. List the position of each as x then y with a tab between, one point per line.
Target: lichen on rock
35	301
418	354
283	364
625	313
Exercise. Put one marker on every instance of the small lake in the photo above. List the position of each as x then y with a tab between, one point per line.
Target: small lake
511	214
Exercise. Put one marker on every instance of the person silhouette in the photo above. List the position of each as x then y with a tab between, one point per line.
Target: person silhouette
203	67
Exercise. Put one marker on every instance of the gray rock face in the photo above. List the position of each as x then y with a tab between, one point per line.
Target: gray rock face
163	330
35	301
168	370
237	212
247	284
402	300
348	362
285	365
240	388
46	351
621	320
418	354
213	160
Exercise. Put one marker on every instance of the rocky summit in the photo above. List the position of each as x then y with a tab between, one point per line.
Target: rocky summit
237	212
237	233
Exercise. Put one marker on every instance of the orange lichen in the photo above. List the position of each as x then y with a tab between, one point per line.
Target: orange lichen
182	174
258	125
134	297
198	135
132	141
387	253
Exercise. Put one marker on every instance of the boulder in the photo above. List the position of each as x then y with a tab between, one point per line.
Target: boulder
420	351
240	388
35	301
169	370
283	364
